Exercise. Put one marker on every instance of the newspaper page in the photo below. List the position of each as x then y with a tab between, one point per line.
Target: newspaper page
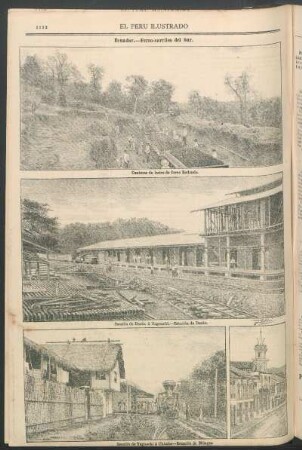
148	198
297	224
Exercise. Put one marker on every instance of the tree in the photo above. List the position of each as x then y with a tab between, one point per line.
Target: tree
136	88
31	71
61	71
114	96
31	99
195	102
207	368
37	225
266	112
207	379
240	87
96	76
160	96
76	235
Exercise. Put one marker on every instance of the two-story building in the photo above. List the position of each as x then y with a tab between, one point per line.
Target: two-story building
255	389
243	234
242	237
93	366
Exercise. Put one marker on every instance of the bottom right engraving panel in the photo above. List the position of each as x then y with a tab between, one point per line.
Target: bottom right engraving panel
258	387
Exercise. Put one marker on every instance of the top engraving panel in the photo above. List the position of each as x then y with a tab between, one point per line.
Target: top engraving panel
150	107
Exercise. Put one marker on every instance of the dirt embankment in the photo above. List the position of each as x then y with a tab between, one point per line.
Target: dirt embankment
61	138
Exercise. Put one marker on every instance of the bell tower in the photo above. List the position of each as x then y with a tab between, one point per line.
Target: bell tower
260	361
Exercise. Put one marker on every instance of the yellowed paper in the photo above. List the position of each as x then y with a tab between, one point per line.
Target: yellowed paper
149	252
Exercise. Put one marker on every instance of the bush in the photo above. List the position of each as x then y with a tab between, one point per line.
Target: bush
103	152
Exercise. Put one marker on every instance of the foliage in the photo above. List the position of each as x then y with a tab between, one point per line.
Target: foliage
58	81
96	76
240	87
136	89
195	103
198	390
76	235
102	152
206	370
32	71
114	97
160	96
37	225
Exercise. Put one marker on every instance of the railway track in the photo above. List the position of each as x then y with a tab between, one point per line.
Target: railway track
182	294
209	308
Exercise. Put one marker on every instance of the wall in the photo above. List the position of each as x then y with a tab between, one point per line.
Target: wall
50	405
244	255
115	373
120	402
62	375
109	382
99	384
275	253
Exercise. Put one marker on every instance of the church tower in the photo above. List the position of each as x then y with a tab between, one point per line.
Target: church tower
260	361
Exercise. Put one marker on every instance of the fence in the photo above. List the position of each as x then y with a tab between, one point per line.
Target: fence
50	405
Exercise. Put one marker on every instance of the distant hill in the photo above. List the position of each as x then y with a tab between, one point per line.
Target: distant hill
75	235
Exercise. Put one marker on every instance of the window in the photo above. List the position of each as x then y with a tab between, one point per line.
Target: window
33	358
100	376
115	376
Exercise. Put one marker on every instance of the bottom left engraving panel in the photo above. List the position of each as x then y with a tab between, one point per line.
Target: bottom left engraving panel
143	384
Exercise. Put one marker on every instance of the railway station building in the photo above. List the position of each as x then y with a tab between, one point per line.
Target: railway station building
240	237
243	234
160	251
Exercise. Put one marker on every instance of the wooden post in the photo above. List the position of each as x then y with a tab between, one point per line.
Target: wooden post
206	256
262	255
49	368
228	256
127	405
215	393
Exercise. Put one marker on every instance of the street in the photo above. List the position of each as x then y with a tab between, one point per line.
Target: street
274	424
121	427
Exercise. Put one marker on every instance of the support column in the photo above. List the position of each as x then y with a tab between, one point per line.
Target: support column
206	256
262	255
228	257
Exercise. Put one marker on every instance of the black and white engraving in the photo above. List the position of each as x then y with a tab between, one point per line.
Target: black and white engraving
146	248
150	107
258	382
118	385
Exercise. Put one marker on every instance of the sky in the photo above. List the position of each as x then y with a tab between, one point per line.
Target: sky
151	355
166	200
200	68
247	336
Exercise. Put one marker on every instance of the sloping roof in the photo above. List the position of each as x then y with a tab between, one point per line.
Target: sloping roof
27	243
242	199
262	188
241	373
30	256
48	352
243	365
138	392
160	240
246	369
90	356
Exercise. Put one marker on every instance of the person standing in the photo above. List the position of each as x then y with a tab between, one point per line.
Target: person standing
147	151
126	160
184	135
